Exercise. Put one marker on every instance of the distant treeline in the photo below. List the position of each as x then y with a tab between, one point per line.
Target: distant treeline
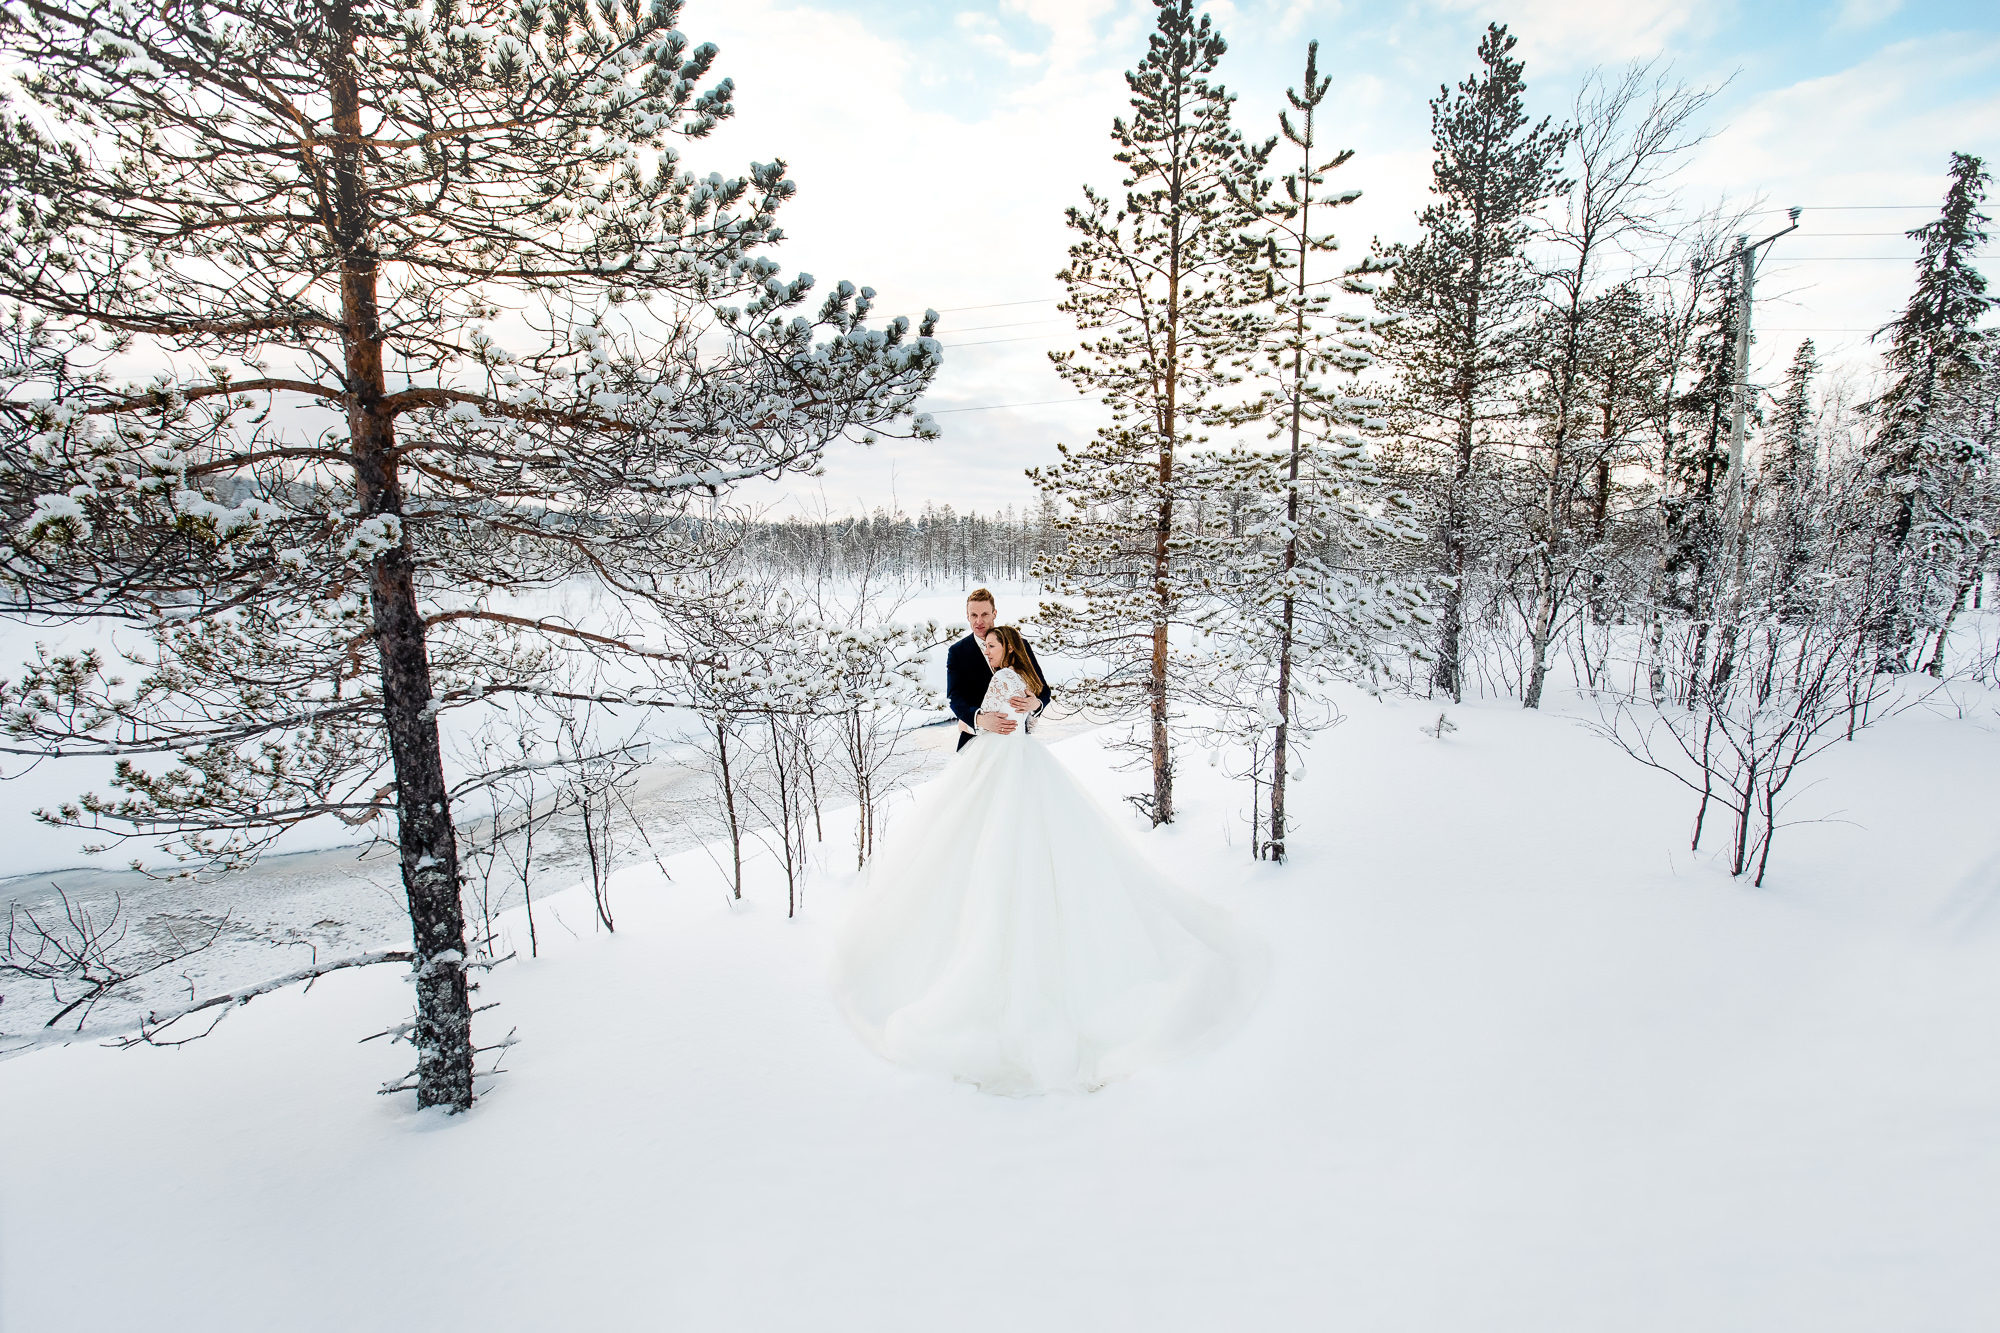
936	545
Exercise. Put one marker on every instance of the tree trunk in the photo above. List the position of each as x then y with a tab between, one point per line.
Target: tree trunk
1449	673
1163	769
528	873
1277	847
809	758
1278	756
1936	665
1539	634
1542	629
1283	733
1707	780
864	787
1739	853
1547	575
729	805
1656	633
429	851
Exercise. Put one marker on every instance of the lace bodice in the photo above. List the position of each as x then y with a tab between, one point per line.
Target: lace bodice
1007	683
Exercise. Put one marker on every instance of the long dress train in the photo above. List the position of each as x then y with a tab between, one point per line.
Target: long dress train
1010	934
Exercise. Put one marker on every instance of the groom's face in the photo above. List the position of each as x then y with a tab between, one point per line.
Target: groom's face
980	616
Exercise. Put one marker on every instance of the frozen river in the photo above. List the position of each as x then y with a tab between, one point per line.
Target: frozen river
287	911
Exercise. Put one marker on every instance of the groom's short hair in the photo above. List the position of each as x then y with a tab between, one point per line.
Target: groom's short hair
980	595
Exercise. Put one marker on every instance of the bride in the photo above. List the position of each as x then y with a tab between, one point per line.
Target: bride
1010	934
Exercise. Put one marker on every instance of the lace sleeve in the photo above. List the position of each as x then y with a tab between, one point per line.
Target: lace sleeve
1007	683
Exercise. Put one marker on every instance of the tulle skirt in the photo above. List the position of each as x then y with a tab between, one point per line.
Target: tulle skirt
1010	934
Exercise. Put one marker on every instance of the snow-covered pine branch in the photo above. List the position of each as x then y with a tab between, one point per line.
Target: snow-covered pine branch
1314	587
1931	458
435	318
1164	283
1459	298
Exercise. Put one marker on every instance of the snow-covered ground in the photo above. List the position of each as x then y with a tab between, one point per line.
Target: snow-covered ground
1525	1064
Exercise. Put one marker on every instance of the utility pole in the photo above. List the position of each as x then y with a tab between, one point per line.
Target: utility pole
1735	494
1739	387
1739	425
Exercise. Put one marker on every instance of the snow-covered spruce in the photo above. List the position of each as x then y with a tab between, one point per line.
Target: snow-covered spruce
1931	459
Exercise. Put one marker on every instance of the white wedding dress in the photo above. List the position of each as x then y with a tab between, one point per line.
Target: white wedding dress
1010	934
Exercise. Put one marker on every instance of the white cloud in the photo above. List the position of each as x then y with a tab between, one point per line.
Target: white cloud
1292	22
1566	34
983	32
1855	14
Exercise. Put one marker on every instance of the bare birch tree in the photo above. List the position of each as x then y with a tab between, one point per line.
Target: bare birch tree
1630	132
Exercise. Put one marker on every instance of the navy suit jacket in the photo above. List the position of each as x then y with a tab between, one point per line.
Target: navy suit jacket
966	677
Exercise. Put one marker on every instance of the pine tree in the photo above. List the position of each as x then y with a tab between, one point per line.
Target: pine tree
1312	516
1164	276
1790	463
317	216
1919	463
1463	293
1695	461
1971	417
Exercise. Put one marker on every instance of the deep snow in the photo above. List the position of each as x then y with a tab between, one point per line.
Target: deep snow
1524	1064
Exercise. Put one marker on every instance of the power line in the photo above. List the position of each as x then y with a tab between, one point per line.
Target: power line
1018	324
1051	300
916	314
995	305
1798	259
1810	208
995	407
988	342
1050	402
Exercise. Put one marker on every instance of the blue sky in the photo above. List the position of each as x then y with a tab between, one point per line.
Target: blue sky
971	55
936	147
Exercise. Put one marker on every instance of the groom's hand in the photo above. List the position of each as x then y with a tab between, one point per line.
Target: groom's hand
998	723
1022	703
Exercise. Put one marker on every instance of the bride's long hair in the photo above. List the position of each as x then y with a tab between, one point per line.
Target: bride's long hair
1018	657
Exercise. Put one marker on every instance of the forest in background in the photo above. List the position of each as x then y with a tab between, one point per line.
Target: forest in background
1521	449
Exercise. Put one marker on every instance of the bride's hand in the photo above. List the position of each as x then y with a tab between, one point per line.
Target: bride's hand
1020	703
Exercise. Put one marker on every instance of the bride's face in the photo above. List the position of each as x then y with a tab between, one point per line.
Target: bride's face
996	651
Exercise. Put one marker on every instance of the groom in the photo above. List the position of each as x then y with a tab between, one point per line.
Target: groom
966	674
